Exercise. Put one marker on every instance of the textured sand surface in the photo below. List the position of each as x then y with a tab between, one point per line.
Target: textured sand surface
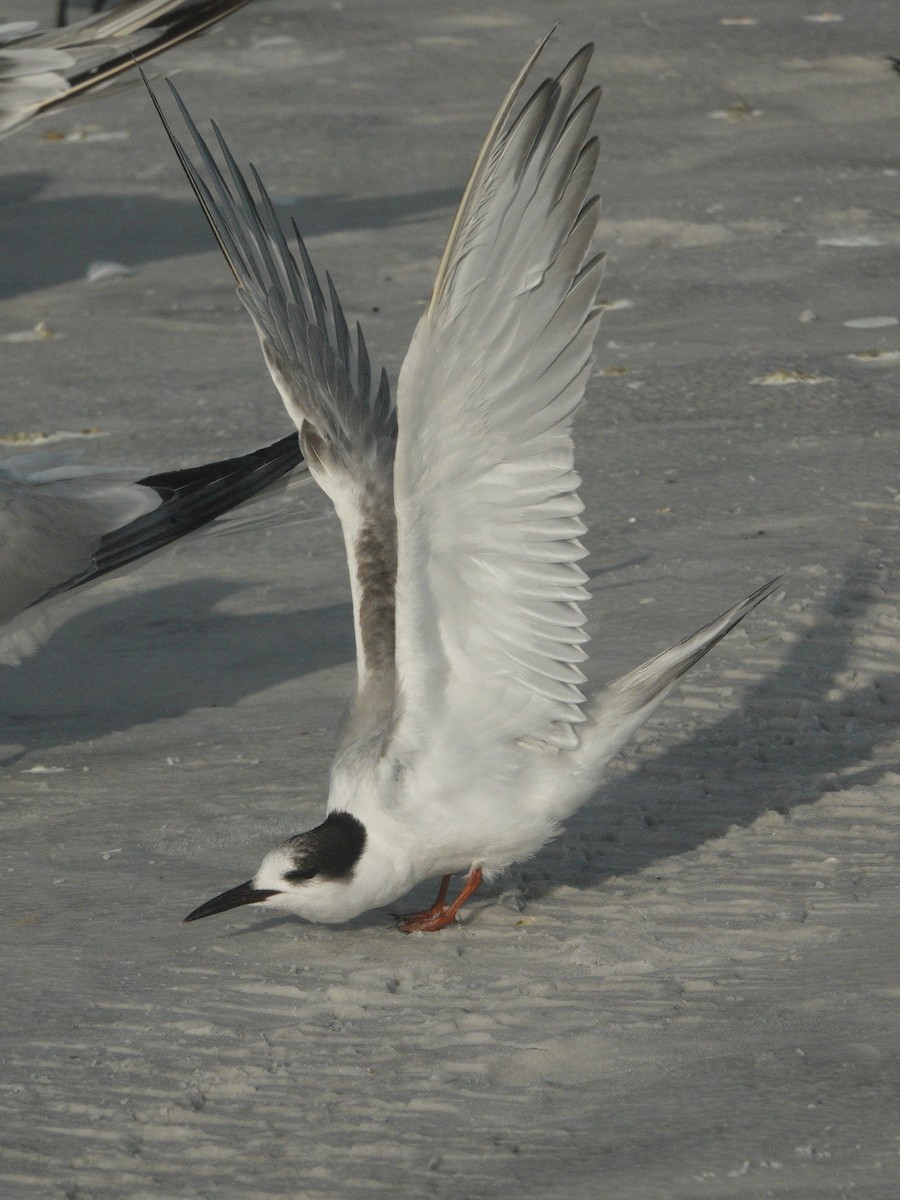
694	992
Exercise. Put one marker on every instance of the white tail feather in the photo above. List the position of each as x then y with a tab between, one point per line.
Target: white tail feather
626	704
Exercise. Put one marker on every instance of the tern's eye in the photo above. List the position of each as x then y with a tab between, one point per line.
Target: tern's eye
300	875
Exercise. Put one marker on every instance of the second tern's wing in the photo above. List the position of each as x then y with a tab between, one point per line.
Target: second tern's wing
345	414
53	517
188	499
40	71
489	626
64	525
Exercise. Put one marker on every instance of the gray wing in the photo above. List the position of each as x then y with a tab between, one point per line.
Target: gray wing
39	71
51	524
189	499
323	374
345	414
63	526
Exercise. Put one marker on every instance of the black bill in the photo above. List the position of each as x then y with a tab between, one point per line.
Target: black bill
244	893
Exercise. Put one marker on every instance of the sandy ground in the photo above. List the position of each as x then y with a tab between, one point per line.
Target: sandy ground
694	993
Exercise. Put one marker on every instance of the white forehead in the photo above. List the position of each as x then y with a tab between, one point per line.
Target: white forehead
273	869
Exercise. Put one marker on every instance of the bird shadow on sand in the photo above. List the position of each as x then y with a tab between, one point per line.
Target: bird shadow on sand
784	747
157	655
54	241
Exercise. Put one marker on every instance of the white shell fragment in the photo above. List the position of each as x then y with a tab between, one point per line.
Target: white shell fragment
871	322
106	270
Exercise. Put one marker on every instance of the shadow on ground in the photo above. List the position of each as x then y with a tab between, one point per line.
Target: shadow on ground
55	241
783	748
160	655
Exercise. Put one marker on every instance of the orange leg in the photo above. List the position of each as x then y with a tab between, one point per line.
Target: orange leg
440	914
437	908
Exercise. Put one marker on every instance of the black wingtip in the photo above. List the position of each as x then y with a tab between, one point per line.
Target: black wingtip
191	498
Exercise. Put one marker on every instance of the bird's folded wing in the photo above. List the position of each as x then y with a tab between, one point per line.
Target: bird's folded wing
189	499
51	523
490	631
345	414
64	525
39	71
122	20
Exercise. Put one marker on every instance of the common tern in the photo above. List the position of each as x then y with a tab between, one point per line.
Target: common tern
63	525
469	740
43	68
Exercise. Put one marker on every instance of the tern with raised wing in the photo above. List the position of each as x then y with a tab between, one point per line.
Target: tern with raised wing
469	740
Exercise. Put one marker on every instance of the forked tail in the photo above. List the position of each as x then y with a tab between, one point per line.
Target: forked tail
626	704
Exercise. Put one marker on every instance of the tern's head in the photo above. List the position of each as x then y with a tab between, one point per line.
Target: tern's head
311	874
